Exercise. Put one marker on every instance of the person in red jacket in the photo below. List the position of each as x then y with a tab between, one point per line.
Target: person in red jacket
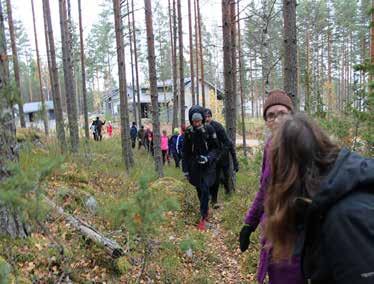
109	129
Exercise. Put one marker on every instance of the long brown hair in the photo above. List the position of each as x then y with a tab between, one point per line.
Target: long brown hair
301	153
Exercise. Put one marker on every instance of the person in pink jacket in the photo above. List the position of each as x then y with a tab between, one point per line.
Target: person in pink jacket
165	147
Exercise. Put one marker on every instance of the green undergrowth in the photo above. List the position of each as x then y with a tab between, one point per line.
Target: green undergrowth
148	217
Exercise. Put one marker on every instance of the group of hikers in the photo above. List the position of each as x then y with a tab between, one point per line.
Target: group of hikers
315	203
97	129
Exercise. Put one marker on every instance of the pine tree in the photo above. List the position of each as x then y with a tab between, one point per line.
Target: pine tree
43	110
83	70
175	84
181	65
134	110
71	102
15	64
241	82
54	76
136	62
230	99
153	87
125	131
290	50
10	221
201	53
191	53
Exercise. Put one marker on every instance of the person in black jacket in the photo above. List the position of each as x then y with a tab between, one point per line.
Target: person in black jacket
133	134
200	152
320	205
98	124
223	172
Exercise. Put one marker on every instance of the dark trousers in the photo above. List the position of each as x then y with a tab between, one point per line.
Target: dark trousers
149	145
99	136
177	159
222	175
165	156
203	194
133	142
141	143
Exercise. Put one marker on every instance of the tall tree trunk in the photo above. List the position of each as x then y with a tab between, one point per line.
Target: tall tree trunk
125	130
197	54
71	102
175	90
10	222
329	75
307	73
83	70
54	77
173	66
132	65
252	88
290	50
233	57
153	86
181	65
230	105
43	111
241	81
136	63
201	55
191	54
15	64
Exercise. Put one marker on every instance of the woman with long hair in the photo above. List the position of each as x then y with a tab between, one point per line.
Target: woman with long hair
277	107
320	205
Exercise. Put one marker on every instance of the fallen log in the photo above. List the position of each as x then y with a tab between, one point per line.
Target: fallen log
110	246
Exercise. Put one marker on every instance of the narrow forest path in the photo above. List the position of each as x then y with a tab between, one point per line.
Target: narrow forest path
228	267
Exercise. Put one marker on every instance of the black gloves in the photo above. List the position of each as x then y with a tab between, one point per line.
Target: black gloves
244	237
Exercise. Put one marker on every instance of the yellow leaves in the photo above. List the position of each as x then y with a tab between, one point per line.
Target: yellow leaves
30	266
137	219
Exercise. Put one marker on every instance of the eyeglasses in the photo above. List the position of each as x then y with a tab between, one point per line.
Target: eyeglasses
271	116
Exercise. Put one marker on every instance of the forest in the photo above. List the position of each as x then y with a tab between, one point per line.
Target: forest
88	91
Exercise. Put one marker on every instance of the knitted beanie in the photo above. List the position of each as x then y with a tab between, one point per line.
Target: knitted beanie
197	116
277	97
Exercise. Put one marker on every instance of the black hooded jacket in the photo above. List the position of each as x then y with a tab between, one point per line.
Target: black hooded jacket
337	238
202	141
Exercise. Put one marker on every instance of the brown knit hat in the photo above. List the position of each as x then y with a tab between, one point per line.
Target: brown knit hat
277	97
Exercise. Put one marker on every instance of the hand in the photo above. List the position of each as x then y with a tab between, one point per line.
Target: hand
202	160
244	237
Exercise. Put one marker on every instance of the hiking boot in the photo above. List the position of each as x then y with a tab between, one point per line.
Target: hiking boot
202	225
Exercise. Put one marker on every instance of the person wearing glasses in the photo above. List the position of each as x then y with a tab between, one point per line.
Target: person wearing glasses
277	107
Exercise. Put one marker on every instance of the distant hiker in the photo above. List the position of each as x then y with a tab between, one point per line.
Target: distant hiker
94	130
149	140
277	106
98	125
228	154
173	147
133	134
180	141
109	129
320	205
200	152
141	137
165	147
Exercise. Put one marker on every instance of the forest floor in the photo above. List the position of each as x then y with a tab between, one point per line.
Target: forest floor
158	223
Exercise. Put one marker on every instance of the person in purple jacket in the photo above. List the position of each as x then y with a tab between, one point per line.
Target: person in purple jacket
277	106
